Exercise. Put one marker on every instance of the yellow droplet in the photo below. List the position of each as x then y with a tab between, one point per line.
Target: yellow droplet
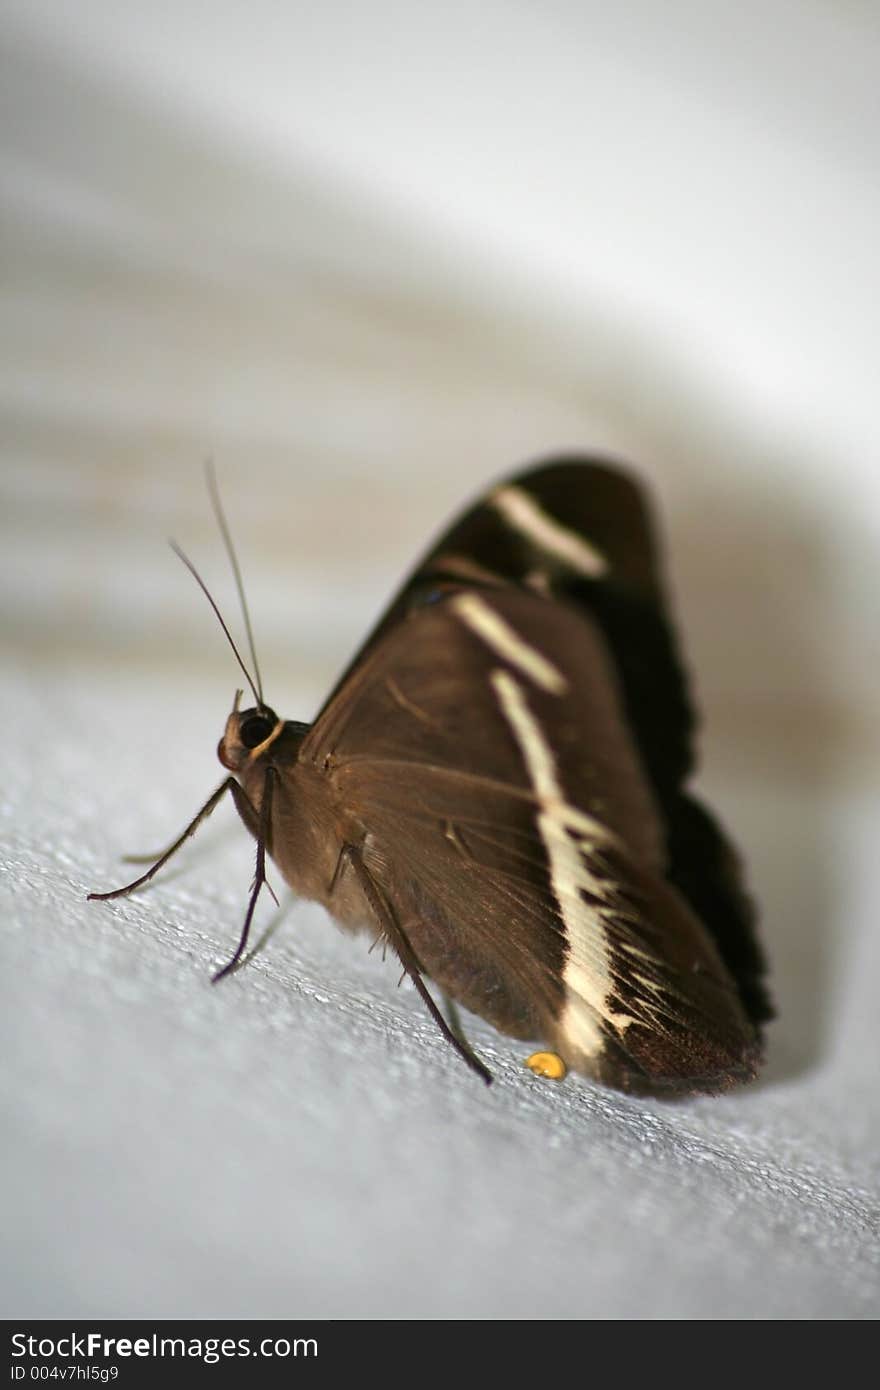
547	1064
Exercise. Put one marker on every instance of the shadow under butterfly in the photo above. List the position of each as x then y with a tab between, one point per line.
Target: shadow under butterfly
496	787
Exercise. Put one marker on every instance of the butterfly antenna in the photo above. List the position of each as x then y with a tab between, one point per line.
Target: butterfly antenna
205	590
213	489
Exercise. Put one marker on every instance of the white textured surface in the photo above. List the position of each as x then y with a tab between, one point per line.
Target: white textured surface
370	269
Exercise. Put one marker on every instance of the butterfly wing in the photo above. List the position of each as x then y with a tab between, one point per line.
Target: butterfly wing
509	822
578	532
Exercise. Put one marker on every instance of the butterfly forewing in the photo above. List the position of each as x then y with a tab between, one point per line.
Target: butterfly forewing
576	531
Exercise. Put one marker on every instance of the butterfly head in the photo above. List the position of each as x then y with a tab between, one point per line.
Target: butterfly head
246	734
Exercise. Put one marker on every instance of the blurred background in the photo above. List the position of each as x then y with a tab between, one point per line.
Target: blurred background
368	259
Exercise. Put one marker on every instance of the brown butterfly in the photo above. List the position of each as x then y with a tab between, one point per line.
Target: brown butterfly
496	787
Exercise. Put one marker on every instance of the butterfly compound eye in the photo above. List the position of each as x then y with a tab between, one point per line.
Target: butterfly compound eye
255	729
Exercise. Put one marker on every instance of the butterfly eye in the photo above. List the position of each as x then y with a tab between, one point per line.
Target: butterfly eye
255	729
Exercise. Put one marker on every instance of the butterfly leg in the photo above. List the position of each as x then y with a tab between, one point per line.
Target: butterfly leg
453	1017
243	806
392	929
250	816
265	823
